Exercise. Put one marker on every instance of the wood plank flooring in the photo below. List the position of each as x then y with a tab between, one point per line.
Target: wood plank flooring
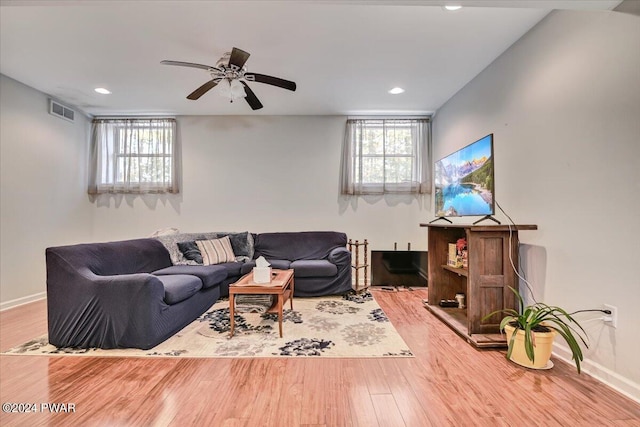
448	383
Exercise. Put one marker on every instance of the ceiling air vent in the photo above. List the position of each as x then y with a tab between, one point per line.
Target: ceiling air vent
61	111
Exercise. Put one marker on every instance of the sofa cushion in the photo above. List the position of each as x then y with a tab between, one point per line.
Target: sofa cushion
190	251
298	245
216	251
280	264
179	287
314	268
210	275
233	268
247	267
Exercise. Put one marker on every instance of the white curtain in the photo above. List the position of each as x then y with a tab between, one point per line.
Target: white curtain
386	156
132	155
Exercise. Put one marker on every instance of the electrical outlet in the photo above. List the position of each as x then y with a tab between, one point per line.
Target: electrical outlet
611	319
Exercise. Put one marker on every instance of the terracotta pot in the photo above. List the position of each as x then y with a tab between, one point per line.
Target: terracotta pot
543	344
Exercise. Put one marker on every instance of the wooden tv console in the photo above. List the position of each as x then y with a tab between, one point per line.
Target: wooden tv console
485	282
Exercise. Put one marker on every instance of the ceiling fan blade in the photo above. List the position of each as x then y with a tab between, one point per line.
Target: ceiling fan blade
275	81
203	89
188	64
251	98
238	58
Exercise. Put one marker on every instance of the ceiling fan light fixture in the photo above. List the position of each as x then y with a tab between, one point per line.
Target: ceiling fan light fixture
237	90
231	89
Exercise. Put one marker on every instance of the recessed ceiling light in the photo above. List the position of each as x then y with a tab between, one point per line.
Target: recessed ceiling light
396	90
102	90
452	7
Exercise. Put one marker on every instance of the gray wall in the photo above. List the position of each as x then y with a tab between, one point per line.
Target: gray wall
43	199
564	106
263	173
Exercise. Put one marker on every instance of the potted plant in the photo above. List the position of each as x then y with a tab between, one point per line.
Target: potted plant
531	331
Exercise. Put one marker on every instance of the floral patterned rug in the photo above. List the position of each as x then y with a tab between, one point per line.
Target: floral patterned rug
347	326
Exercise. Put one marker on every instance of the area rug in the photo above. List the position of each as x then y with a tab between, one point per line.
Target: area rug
347	326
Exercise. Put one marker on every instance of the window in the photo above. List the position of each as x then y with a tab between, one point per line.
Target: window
386	156
133	156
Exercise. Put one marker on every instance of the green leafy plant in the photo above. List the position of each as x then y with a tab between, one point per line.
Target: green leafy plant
541	317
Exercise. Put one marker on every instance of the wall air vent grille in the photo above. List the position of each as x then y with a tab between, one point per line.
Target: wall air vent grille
59	110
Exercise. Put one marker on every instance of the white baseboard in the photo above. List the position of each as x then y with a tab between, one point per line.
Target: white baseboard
21	301
615	381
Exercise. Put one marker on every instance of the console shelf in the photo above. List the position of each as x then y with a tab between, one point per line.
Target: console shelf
485	282
459	271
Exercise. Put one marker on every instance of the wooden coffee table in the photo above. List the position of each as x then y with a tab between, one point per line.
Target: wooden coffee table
281	285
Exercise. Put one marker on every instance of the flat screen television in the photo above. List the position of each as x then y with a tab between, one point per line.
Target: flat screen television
464	181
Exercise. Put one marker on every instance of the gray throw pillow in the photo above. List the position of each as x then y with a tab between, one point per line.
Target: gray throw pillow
190	251
242	243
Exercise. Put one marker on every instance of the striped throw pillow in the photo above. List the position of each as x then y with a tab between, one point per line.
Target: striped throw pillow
216	251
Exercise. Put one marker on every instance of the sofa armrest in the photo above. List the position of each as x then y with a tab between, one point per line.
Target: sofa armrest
340	256
129	286
126	297
88	310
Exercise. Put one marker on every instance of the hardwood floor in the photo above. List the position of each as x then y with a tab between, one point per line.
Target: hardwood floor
447	383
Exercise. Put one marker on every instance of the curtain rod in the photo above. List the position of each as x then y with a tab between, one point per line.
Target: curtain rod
134	118
389	118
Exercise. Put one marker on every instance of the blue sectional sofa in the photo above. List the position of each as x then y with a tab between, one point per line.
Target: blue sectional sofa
138	293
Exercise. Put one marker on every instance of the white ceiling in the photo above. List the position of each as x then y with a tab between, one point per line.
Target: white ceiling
343	55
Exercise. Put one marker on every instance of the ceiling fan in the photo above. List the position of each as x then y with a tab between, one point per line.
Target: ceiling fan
230	70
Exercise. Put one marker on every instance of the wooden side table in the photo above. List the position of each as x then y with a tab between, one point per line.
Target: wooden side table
281	285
